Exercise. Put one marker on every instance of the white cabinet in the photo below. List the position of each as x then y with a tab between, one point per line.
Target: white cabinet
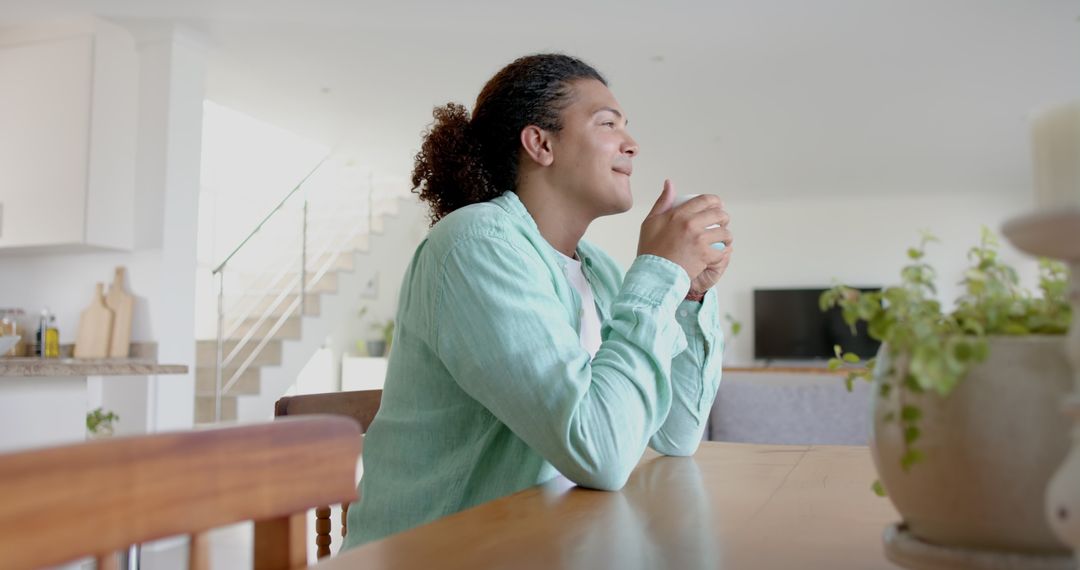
68	112
363	373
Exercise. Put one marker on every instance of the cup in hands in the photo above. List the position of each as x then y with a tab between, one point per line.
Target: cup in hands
684	198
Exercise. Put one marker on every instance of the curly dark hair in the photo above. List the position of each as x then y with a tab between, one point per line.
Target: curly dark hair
463	161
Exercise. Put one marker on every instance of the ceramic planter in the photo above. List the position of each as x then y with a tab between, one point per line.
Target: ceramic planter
990	449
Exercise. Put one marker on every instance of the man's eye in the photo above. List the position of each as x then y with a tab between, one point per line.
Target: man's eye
609	124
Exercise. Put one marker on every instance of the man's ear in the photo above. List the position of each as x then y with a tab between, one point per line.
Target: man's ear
537	145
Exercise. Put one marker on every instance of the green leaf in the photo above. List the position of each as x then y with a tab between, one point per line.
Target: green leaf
910	457
963	352
910	413
851	357
1015	329
828	299
736	326
911	434
913	253
878	488
835	364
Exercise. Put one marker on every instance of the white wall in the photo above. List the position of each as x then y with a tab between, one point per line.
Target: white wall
172	399
385	263
248	166
391	251
816	241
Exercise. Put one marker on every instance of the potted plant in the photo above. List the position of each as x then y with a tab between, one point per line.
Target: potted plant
381	345
99	422
966	423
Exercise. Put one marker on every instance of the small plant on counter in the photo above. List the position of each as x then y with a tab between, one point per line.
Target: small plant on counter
99	423
940	347
380	345
386	330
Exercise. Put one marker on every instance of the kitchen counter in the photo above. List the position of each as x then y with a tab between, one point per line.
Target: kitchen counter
44	401
53	367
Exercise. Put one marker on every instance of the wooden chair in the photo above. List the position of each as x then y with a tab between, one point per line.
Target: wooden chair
360	405
95	498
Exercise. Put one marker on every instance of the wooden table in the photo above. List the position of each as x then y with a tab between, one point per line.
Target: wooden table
729	506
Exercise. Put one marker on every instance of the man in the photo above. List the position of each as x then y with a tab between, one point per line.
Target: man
522	351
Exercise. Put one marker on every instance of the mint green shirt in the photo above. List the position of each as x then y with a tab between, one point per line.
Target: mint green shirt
489	390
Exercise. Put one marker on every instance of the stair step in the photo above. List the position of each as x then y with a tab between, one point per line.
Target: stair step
206	353
260	303
206	381
290	329
343	261
328	283
340	260
361	242
204	409
268	286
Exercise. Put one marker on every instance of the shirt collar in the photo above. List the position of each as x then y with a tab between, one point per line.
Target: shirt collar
513	205
510	202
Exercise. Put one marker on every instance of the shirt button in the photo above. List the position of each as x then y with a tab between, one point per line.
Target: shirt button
683	312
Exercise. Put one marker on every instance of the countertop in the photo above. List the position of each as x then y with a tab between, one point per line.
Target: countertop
24	367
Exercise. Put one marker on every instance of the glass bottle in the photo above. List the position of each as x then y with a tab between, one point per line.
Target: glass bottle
39	336
52	339
10	324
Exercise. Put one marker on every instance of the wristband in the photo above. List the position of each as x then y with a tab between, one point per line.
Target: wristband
695	296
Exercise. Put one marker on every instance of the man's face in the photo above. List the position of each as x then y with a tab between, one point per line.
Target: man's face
593	153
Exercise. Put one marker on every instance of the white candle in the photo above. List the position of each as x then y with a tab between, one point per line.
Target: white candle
1055	142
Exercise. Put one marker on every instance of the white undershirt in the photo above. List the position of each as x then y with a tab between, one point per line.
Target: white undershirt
590	319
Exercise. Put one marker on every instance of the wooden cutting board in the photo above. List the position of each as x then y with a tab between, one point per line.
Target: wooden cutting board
122	305
95	328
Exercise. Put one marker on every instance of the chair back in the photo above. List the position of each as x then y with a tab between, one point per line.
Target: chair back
360	405
96	498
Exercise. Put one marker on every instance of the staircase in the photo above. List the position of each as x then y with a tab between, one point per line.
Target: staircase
281	291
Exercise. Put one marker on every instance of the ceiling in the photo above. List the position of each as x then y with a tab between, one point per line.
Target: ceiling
747	98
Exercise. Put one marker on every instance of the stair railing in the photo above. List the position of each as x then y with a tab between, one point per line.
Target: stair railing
285	287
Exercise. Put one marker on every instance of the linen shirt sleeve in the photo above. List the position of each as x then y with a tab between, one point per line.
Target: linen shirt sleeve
695	378
507	340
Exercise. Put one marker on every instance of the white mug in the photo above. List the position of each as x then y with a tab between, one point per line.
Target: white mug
684	198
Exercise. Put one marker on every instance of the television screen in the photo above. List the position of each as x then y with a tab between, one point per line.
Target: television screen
788	324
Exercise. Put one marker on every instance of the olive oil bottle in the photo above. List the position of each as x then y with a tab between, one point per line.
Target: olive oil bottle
52	339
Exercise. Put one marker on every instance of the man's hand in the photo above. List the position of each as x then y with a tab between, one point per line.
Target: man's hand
712	273
684	236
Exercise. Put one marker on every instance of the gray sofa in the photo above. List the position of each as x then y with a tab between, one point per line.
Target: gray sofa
789	408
